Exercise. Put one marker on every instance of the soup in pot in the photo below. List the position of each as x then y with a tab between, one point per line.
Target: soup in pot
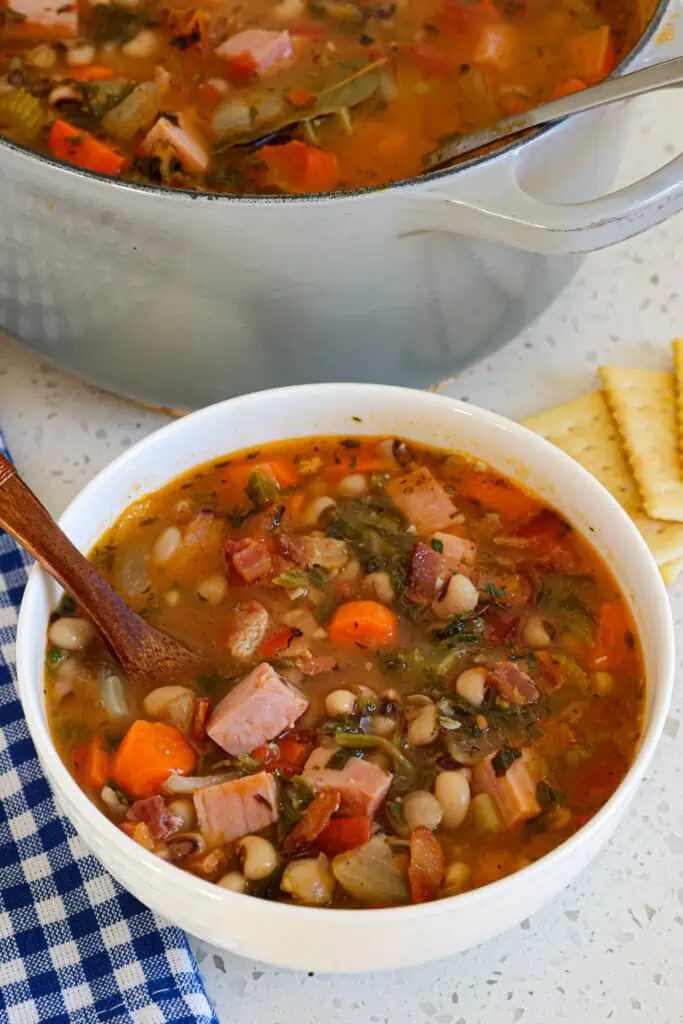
287	96
425	680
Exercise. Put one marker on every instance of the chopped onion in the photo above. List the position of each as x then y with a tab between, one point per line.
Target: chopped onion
181	785
113	692
371	874
132	572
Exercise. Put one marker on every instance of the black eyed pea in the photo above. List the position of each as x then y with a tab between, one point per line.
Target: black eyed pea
471	685
452	791
309	880
71	634
422	808
352	486
258	857
456	878
234	881
378	585
339	703
423	726
461	597
183	809
535	632
313	511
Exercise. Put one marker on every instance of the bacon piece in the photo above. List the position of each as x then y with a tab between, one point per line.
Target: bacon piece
154	813
314	821
262	47
314	549
249	558
425	574
513	684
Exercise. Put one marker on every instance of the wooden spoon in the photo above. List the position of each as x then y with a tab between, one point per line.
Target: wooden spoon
149	657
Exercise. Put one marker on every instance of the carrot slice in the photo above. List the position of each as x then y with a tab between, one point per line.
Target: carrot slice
299	167
315	820
92	73
147	755
614	637
427	865
344	834
92	763
75	146
363	622
497	495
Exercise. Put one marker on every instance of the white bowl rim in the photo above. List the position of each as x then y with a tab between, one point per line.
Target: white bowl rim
404	914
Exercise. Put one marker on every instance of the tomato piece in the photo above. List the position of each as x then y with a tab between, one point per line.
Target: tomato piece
427	865
344	834
314	821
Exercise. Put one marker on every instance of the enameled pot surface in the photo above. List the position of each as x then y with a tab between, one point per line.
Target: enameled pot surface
181	300
351	940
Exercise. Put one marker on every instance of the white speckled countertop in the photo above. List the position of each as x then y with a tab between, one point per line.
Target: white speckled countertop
610	948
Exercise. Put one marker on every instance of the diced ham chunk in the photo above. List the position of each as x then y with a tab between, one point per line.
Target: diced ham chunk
312	665
514	793
181	139
249	558
513	684
41	19
252	622
422	500
260	707
155	815
361	785
230	810
425	574
262	47
458	554
314	549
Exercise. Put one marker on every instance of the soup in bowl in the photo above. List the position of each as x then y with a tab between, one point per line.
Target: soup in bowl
431	687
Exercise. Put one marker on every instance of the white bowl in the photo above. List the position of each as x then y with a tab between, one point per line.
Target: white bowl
351	940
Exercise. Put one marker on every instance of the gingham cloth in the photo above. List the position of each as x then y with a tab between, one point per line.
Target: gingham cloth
75	948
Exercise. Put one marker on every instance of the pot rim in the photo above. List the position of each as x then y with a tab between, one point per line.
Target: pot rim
357	193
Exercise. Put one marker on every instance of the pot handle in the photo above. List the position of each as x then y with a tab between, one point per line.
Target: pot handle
517	218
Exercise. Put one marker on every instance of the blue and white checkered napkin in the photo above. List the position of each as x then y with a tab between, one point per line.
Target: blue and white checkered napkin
75	948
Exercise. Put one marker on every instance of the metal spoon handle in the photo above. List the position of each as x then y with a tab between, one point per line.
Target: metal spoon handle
658	76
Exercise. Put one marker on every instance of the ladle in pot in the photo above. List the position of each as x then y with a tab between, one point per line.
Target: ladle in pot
623	87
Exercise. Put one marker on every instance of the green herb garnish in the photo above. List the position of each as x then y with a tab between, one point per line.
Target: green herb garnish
504	758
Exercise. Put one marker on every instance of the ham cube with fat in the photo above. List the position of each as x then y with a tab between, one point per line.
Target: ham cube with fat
262	47
249	558
181	140
422	500
458	554
230	810
513	793
41	19
259	708
361	785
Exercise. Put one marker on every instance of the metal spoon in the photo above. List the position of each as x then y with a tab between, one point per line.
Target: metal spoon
148	656
659	76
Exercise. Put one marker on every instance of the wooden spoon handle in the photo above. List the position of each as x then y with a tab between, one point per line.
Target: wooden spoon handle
30	523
